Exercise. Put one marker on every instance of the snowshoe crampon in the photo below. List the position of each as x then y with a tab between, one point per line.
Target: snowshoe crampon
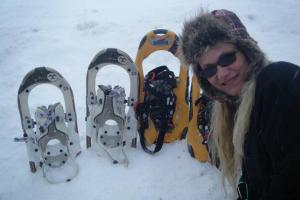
197	136
166	40
51	138
109	127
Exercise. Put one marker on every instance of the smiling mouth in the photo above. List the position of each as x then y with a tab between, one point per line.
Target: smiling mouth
230	80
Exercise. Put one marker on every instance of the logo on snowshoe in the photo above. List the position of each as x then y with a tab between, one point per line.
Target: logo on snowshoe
122	60
52	77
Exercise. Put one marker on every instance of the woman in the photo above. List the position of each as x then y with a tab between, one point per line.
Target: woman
255	128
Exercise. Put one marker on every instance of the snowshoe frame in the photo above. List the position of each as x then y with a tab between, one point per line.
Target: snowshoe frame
162	39
69	136
129	128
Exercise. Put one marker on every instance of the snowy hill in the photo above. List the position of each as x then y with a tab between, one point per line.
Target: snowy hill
65	35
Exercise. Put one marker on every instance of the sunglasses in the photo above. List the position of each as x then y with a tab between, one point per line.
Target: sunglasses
224	60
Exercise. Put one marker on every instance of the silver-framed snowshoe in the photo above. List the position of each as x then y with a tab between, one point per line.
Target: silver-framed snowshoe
109	127
51	138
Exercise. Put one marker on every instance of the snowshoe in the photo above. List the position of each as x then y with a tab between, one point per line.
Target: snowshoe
166	40
52	138
198	126
109	127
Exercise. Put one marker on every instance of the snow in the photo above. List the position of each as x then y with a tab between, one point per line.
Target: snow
66	35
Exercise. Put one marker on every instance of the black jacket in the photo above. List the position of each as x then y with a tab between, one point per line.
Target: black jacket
271	165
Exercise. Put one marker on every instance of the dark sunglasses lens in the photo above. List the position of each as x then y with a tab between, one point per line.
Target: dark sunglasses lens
227	59
209	71
224	61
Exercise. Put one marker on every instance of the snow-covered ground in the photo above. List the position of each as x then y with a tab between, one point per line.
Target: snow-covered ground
65	35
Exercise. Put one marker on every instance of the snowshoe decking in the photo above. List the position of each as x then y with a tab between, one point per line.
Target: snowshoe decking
109	128
196	143
52	139
156	40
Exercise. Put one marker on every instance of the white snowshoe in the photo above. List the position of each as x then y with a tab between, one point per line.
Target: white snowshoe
109	128
52	139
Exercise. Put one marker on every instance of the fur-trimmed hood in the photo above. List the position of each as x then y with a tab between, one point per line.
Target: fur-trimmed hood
208	29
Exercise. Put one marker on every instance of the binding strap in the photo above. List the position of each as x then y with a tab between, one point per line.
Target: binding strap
203	117
159	104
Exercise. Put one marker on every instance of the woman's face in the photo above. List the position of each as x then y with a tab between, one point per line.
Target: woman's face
225	66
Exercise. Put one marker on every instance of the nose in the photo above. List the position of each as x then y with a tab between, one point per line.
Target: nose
222	73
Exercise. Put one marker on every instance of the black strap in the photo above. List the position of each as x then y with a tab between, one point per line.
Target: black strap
159	142
159	104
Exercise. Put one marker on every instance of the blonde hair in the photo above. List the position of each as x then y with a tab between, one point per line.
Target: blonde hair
229	125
